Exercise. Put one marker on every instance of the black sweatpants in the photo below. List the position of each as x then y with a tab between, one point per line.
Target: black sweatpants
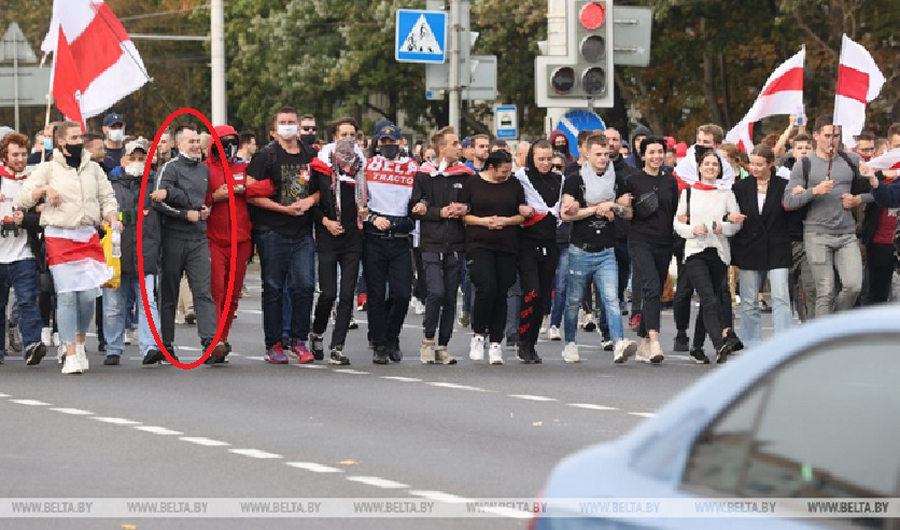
651	263
329	261
443	273
386	261
708	276
492	273
537	268
190	257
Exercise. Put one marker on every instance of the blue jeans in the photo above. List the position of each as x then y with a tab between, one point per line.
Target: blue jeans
22	275
116	308
751	321
283	258
562	280
74	312
603	268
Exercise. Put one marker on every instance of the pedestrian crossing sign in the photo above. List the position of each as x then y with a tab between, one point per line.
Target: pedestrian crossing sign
421	36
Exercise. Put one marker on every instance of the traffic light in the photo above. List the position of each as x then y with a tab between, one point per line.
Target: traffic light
584	78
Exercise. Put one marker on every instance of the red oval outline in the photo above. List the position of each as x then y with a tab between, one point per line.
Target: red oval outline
232	230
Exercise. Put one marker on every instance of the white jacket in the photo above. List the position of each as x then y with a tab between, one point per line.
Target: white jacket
707	206
87	196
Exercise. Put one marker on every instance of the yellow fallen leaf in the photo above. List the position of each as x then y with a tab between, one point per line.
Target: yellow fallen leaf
347	463
537	424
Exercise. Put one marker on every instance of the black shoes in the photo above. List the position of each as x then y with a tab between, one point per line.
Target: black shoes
527	354
681	342
723	353
111	360
337	357
394	352
735	342
381	355
35	353
153	357
318	347
698	355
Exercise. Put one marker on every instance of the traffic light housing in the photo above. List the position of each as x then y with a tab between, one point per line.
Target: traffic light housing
583	78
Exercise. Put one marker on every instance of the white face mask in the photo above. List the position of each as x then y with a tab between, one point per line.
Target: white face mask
116	135
135	169
288	131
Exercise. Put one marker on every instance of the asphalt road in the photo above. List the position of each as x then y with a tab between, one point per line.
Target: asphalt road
254	430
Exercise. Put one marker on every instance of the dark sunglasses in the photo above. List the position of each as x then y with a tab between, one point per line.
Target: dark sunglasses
307	128
557	167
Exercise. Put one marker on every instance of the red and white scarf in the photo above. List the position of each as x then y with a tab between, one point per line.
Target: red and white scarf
534	199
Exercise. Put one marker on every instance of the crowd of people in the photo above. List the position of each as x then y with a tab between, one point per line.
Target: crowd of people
535	241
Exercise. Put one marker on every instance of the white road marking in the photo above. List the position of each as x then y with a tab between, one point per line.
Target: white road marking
456	386
439	496
254	453
162	431
188	348
350	371
378	482
73	412
314	467
402	379
31	402
528	397
250	311
311	366
116	421
643	414
256	358
207	442
2	395
507	512
590	406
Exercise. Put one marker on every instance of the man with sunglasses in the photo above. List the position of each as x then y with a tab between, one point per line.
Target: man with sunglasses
283	228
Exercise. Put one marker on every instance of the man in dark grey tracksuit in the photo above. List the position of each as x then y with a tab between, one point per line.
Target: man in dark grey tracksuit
180	196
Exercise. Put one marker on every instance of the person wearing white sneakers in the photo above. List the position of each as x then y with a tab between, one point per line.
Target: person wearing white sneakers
78	197
496	207
589	204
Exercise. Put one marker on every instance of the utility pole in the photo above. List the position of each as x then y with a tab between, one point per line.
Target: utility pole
556	45
217	36
454	65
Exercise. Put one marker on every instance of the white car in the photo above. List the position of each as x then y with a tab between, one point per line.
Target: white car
811	413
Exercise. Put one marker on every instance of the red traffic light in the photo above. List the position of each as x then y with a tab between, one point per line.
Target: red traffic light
593	15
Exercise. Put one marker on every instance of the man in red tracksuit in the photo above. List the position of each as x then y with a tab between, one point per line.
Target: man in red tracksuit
218	226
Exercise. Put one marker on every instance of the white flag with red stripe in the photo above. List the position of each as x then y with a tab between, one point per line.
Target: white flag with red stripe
96	62
782	94
859	82
76	259
887	161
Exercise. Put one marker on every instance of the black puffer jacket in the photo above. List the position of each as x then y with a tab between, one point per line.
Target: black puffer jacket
436	190
128	192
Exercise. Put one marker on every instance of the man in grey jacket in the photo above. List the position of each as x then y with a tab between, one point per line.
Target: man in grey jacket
829	230
180	196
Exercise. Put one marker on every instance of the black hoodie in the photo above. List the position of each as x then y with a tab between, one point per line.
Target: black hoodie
549	187
436	190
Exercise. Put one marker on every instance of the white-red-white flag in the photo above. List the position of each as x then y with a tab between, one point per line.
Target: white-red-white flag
782	94
887	161
96	62
76	259
858	83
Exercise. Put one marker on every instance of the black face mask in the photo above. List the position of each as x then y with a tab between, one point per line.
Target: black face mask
229	146
75	152
390	151
308	139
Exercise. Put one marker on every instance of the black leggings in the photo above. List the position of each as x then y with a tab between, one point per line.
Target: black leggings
651	263
492	273
708	275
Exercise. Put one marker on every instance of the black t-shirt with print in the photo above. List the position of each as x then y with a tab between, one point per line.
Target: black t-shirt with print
290	176
592	233
487	199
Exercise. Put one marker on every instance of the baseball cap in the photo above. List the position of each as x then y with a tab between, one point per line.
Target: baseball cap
390	130
112	119
133	145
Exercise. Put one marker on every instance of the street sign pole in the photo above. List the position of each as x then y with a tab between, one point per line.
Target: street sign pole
16	80
454	110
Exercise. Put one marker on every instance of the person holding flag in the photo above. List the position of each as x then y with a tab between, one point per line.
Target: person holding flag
78	198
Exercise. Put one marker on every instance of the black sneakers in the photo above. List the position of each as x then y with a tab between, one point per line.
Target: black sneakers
723	353
394	352
35	353
681	342
318	347
735	342
380	356
337	357
153	357
111	360
699	356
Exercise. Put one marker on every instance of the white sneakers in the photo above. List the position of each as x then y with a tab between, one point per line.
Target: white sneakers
570	353
624	349
418	306
426	352
650	353
476	348
553	333
495	354
544	324
76	364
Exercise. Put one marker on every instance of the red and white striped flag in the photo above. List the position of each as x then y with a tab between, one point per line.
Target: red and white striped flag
887	161
76	259
96	62
782	94
859	82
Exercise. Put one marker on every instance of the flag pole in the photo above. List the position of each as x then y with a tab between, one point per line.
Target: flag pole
49	98
834	127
